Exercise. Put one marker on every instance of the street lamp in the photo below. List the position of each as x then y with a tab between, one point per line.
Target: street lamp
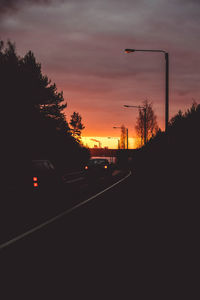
110	137
126	133
166	80
145	119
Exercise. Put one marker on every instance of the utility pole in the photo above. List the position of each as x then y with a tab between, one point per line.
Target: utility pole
166	91
127	136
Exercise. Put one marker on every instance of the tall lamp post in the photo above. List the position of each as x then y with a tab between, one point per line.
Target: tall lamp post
166	80
145	119
126	134
110	137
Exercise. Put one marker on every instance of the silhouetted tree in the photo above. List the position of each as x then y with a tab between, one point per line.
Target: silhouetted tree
76	125
173	157
146	121
26	91
33	121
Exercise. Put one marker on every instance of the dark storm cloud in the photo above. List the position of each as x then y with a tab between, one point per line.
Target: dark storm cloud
10	6
13	5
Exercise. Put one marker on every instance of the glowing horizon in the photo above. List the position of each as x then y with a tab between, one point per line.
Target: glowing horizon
111	143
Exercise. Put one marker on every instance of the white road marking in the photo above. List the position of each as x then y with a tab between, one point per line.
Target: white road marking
74	180
21	236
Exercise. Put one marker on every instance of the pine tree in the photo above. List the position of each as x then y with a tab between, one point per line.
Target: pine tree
76	125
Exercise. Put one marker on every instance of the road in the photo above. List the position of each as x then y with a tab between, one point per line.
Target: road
34	211
116	245
23	211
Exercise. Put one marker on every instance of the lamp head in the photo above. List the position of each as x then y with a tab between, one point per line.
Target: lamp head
129	50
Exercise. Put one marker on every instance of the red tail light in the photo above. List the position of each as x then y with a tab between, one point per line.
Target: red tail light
35	181
86	167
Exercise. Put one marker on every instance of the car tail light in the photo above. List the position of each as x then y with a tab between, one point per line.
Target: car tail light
35	182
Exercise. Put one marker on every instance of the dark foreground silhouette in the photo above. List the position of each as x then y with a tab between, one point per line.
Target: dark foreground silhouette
133	241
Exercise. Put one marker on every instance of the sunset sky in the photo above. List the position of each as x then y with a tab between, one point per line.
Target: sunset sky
80	45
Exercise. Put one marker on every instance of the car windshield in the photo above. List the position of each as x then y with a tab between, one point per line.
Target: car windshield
97	162
43	165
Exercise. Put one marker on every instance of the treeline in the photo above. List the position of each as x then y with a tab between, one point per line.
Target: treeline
33	123
172	159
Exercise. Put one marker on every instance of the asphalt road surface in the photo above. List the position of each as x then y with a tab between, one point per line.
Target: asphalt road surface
119	245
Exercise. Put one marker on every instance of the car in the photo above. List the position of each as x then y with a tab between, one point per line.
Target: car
33	175
44	175
97	166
